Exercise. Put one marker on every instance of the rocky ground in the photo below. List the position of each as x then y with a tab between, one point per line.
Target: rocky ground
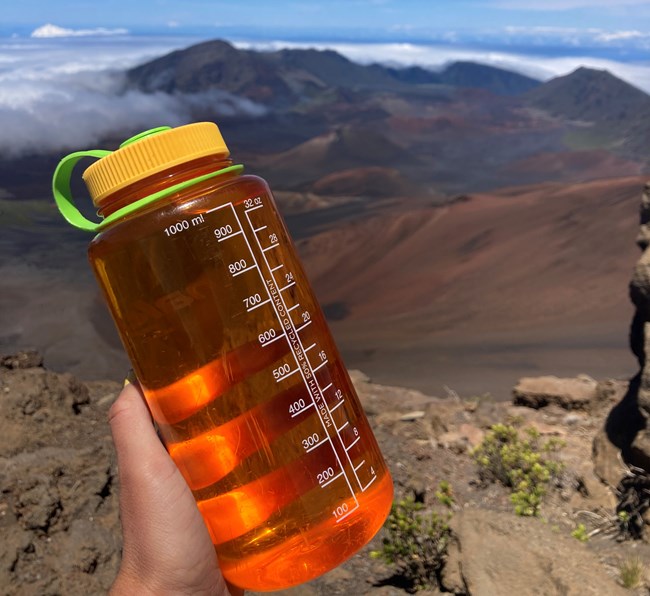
58	489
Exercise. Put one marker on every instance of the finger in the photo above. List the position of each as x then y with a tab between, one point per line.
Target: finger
129	412
136	441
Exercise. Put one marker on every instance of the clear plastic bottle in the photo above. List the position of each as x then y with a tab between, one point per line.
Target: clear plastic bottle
233	354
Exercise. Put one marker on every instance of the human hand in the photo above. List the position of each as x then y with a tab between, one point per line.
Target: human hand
167	548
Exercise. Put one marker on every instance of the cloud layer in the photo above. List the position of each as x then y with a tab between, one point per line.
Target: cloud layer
436	56
50	30
59	95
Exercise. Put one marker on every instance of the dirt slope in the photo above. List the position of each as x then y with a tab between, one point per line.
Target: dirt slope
537	275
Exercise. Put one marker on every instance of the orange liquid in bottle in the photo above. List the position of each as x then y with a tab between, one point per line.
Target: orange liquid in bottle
244	381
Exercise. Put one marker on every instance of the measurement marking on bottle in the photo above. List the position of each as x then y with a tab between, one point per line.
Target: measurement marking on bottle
283	376
337	405
260	229
252	308
326	388
230	236
279	267
367	486
219	207
323	363
270	247
299	329
276	338
317	445
295	345
253	209
353	444
245	270
331	479
293	283
307	406
310	347
338	432
293	307
340	519
363	461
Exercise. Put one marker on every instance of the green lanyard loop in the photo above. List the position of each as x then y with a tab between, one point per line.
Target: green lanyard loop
65	202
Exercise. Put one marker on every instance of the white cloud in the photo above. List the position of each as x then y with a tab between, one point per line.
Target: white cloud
545	30
592	36
49	30
621	35
66	94
54	97
36	119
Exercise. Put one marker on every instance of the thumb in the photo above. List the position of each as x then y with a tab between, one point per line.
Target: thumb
146	472
136	442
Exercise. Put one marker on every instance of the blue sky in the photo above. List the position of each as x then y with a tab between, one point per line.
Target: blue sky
63	61
569	21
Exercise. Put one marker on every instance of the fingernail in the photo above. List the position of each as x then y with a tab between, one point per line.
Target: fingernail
130	378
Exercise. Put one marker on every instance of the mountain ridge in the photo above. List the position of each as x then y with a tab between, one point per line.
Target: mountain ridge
289	75
482	76
590	94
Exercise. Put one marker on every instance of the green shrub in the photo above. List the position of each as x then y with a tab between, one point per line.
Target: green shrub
521	464
631	572
580	533
415	542
445	495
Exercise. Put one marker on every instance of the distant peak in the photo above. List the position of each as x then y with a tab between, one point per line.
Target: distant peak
586	70
591	95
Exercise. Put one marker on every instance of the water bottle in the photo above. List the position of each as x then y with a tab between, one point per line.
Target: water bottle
233	354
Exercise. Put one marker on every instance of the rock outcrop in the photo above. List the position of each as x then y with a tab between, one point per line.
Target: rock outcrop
570	394
59	507
503	550
628	426
58	501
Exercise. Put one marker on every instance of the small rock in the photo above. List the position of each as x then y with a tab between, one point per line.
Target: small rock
571	419
473	434
570	394
410	416
26	359
454	441
608	464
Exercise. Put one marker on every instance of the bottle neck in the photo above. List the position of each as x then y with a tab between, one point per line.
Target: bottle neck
161	181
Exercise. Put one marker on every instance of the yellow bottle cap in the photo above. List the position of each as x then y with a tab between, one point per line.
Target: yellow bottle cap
151	152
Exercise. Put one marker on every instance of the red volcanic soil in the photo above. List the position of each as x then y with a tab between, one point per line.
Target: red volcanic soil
537	274
435	124
370	181
471	295
334	151
572	166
